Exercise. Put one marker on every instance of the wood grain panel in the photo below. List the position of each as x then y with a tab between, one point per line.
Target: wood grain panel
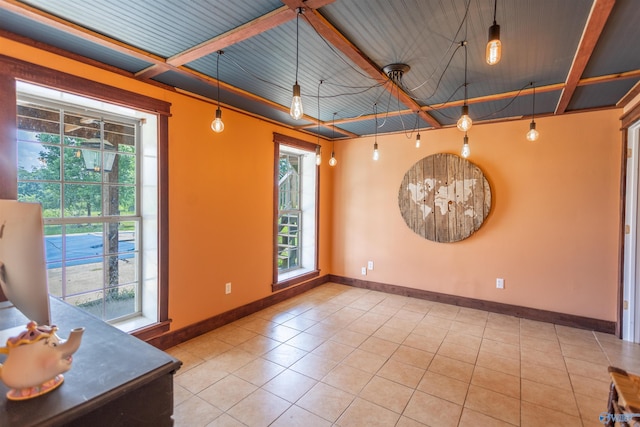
444	198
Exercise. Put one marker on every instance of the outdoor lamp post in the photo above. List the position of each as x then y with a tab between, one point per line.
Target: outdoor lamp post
91	154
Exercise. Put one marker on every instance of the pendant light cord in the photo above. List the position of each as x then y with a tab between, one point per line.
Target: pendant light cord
464	43
495	8
333	133
465	72
533	113
297	39
319	110
218	76
375	113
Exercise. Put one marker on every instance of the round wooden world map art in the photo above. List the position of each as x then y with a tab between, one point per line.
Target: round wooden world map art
444	198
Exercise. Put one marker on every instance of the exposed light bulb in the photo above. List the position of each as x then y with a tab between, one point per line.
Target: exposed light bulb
333	161
533	134
376	154
466	151
318	156
494	46
464	122
296	103
418	140
217	125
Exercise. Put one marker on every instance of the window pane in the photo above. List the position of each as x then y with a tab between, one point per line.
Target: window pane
125	169
91	302
37	118
82	200
38	161
75	161
122	252
121	200
289	182
123	269
288	241
53	246
126	236
79	127
121	135
120	301
82	241
47	194
85	276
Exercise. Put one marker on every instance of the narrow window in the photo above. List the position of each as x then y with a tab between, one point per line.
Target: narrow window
295	212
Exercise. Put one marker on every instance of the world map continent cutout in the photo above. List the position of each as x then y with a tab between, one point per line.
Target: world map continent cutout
444	198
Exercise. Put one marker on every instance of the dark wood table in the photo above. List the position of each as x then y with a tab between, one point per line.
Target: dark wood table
115	379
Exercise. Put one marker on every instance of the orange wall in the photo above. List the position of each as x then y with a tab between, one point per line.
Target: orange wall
220	197
552	233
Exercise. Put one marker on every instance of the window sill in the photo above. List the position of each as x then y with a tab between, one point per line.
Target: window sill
293	278
142	327
133	323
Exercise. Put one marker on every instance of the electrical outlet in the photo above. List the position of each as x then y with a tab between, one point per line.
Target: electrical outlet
370	265
227	288
364	271
499	283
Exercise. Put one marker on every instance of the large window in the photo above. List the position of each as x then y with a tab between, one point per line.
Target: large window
95	157
81	160
295	211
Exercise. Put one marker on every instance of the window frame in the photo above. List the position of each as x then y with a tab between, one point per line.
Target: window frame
280	139
12	70
71	107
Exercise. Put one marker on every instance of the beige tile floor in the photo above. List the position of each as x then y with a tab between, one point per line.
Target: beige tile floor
344	356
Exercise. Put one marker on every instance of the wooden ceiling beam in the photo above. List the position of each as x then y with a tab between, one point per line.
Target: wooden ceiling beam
498	96
153	70
511	94
329	126
629	96
243	32
236	35
306	4
598	17
340	42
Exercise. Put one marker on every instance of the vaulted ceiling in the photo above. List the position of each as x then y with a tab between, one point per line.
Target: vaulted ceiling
578	55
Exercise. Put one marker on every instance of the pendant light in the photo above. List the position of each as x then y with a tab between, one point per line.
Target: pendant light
296	110
533	134
376	154
333	161
465	122
494	46
418	140
216	125
466	151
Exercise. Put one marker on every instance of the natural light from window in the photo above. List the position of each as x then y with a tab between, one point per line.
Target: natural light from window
93	167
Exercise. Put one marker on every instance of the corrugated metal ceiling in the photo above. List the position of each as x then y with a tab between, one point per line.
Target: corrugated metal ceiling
346	44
